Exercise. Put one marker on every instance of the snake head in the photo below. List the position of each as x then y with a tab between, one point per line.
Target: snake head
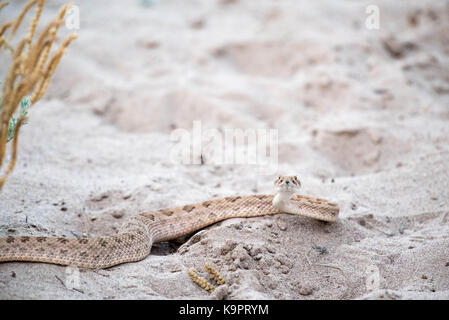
287	183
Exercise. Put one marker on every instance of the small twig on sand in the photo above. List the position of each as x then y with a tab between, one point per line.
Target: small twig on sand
328	266
388	234
320	249
63	284
323	265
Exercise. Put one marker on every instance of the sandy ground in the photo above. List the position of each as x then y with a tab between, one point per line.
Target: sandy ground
362	118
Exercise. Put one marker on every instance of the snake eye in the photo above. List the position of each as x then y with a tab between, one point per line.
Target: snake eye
297	181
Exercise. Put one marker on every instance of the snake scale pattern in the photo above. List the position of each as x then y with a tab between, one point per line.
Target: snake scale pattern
134	240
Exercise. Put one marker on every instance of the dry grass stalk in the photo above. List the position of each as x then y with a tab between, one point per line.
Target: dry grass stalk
30	71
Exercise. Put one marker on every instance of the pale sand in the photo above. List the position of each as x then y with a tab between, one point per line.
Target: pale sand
362	120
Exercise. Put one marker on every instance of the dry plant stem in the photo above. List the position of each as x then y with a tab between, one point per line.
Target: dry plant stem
329	266
36	19
5	27
3	41
324	265
3	141
14	151
38	93
31	69
19	19
3	4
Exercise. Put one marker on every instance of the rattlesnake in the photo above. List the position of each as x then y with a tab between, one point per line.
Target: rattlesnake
133	242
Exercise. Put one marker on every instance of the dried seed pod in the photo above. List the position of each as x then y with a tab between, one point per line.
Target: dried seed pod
200	281
214	274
